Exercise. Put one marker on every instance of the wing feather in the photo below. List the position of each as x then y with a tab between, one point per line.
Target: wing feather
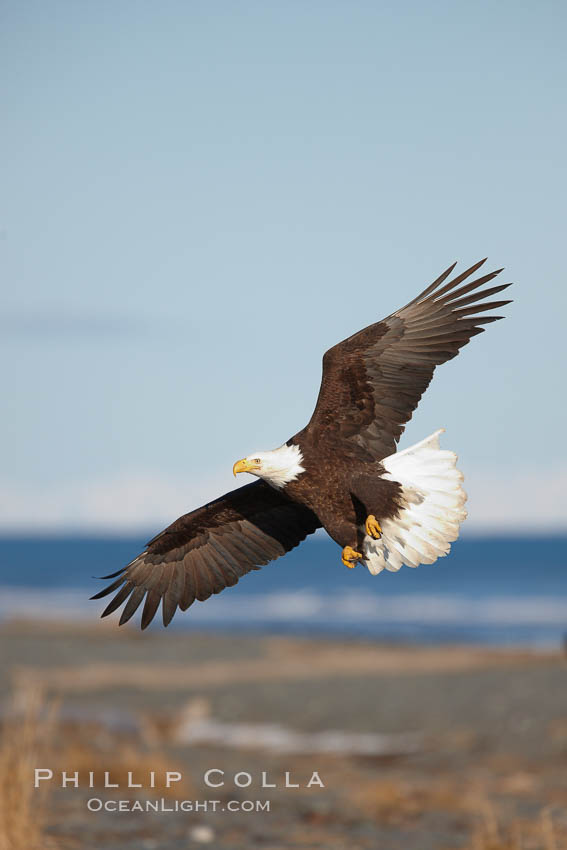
150	607
115	603
133	604
207	550
373	381
174	592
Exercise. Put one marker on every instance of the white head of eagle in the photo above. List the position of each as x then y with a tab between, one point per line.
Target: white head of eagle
277	467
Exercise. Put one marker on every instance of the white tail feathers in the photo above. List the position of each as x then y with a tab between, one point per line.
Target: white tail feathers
433	508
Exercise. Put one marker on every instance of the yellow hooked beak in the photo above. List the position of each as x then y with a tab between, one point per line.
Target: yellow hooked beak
244	465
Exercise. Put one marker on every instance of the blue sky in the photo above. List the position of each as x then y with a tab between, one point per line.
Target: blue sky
198	199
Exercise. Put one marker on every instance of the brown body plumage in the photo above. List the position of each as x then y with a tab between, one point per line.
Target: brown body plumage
371	384
341	494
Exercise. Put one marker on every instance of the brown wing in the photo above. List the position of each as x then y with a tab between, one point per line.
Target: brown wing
372	381
209	549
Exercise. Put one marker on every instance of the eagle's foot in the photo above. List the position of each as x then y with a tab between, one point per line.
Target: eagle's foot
373	527
350	557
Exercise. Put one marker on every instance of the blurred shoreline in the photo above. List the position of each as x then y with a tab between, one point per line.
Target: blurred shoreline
430	701
489	591
421	747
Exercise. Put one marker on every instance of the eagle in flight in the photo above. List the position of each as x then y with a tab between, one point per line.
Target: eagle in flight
341	472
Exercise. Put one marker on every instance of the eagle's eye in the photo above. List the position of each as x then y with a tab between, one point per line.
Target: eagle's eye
257	460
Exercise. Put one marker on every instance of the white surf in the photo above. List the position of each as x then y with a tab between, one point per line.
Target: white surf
433	508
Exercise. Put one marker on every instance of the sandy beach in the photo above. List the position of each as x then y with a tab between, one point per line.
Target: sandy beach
390	747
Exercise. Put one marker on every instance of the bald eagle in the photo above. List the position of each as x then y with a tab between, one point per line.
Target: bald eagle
341	472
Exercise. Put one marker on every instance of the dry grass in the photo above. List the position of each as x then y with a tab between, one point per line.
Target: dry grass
119	759
33	735
24	744
492	826
396	800
540	833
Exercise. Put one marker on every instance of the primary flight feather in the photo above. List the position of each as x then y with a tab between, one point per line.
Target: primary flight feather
341	472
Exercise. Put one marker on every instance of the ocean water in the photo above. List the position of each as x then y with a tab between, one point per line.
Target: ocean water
493	590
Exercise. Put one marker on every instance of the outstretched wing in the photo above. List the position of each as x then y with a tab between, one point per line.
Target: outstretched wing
373	381
209	549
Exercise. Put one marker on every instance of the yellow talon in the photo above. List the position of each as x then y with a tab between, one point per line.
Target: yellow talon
350	557
373	527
